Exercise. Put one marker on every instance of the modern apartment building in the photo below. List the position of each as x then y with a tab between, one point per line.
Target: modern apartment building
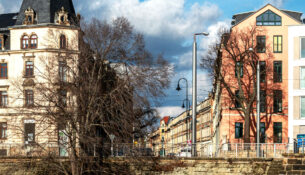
41	31
271	26
296	83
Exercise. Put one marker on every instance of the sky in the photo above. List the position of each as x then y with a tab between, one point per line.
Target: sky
168	27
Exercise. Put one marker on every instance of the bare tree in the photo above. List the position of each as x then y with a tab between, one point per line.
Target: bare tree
233	65
103	83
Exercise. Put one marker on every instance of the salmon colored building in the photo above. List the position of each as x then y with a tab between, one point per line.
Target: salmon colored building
270	44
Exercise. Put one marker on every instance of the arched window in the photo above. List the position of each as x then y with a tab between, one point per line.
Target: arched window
268	18
25	42
34	41
63	42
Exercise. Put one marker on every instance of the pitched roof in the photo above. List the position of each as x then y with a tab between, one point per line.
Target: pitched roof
242	16
46	9
166	119
8	19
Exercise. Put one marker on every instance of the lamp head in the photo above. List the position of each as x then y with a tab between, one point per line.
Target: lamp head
178	87
183	105
203	33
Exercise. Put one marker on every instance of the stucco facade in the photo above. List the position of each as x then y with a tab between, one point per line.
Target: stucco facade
21	124
296	77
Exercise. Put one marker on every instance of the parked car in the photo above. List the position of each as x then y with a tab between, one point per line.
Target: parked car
185	152
171	155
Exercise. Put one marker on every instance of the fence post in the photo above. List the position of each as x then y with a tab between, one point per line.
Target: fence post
236	150
303	146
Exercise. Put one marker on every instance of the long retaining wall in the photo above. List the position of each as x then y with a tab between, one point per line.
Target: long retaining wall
289	164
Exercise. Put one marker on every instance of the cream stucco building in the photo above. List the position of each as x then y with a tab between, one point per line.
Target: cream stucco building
43	32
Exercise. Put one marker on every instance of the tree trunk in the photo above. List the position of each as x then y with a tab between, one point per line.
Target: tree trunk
247	127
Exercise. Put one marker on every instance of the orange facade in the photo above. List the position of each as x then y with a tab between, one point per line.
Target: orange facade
274	118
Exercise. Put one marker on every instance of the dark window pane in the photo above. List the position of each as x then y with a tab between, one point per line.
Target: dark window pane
262	134
277	101
262	71
29	98
3	130
277	71
261	44
3	98
238	130
237	104
29	68
263	101
29	133
62	70
277	132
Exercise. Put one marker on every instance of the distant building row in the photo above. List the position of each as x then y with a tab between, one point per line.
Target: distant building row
282	80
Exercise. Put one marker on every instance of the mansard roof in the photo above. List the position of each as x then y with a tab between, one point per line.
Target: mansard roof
46	10
7	20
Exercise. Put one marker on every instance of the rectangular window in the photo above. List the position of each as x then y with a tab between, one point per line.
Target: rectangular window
277	71
277	132
62	70
263	101
3	70
262	67
302	47
302	105
237	104
262	133
277	44
238	130
3	99
277	101
261	44
1	43
29	133
302	77
63	98
29	68
3	130
239	67
29	98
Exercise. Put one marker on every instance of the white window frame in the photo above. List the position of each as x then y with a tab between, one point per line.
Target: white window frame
301	67
300	47
301	107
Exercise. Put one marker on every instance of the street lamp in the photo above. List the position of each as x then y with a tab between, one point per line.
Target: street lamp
187	103
194	91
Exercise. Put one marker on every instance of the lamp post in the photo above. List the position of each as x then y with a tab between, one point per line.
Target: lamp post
187	103
194	91
257	106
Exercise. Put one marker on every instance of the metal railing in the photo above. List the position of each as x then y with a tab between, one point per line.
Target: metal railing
208	149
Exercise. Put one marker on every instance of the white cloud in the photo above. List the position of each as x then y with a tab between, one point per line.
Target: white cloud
276	3
171	111
1	9
159	17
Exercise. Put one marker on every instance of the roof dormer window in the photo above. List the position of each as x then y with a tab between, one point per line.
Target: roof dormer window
30	16
269	18
61	17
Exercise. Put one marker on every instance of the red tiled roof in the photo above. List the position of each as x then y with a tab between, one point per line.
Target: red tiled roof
166	119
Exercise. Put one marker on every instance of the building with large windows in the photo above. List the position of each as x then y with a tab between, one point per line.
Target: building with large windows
296	76
270	44
41	30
